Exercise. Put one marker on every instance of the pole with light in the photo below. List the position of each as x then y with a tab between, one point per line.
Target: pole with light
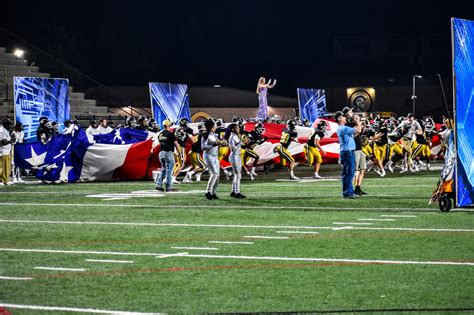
413	97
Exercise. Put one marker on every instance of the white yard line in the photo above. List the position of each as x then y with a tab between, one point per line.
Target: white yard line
117	205
381	220
408	262
14	278
398	216
239	226
70	309
352	223
363	261
343	228
296	232
266	237
225	242
110	261
60	268
195	248
171	255
80	252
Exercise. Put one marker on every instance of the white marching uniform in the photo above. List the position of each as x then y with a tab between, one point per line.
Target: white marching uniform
210	149
235	159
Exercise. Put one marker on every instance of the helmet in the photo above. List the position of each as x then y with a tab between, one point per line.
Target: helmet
322	125
291	124
183	122
180	134
237	119
201	127
219	122
130	122
306	122
152	123
141	119
259	128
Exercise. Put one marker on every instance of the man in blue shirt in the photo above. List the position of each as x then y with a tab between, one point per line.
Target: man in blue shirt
347	146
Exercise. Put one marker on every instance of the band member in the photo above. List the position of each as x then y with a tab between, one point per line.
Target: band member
210	146
288	135
233	138
262	89
18	136
313	149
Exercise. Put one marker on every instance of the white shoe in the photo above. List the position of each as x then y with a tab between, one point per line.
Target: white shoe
378	171
293	177
389	166
383	173
10	183
2	184
174	181
251	176
252	171
316	176
21	181
198	177
404	170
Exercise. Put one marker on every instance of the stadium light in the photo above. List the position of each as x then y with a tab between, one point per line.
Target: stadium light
413	97
217	86
19	53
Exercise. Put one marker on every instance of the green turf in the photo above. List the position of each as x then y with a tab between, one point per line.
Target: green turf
199	284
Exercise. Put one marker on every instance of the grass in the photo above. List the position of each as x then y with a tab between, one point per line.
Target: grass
212	285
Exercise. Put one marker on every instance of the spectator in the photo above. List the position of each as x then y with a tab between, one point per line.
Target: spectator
42	128
17	136
91	131
5	152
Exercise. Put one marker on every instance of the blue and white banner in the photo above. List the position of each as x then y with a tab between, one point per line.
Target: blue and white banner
169	101
37	97
463	58
312	104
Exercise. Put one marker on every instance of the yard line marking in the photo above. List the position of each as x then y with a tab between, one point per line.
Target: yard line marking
382	220
296	232
81	252
250	257
14	278
113	205
197	248
224	242
266	237
240	226
342	228
70	309
171	255
352	223
111	261
363	261
60	268
398	216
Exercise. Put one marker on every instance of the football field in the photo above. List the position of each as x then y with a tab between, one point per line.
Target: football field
289	247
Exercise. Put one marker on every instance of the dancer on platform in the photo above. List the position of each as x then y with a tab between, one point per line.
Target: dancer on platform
262	89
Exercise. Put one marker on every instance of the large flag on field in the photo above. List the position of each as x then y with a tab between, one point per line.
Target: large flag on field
127	154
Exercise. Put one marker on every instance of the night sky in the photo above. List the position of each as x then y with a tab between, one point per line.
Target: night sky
230	43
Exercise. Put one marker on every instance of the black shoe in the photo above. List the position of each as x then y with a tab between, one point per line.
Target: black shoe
240	196
214	196
353	196
159	189
358	193
208	196
362	192
172	190
232	194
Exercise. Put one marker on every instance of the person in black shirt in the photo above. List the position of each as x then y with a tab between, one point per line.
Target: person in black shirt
167	145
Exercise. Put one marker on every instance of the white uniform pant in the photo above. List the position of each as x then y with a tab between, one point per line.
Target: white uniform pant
212	163
236	163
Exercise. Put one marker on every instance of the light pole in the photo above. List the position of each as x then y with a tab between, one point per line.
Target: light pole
413	97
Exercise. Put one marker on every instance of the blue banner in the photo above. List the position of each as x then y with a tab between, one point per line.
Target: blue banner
37	97
312	104
169	101
122	136
463	59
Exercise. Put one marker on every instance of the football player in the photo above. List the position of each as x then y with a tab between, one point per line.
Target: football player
223	148
288	135
380	145
197	162
254	138
313	149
